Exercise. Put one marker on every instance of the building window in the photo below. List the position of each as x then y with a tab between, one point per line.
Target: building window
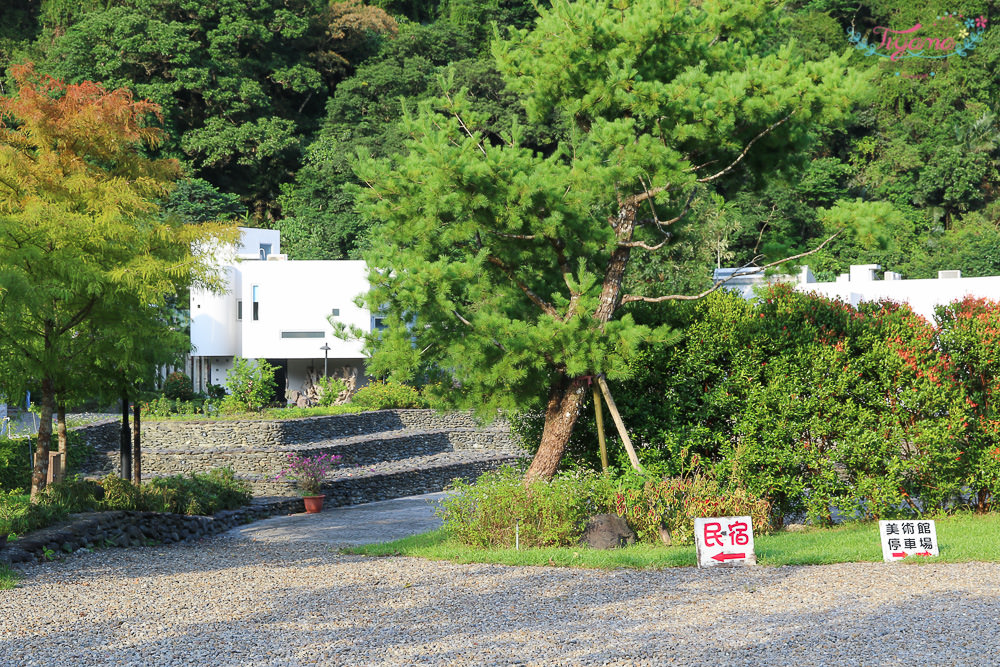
265	250
256	304
378	323
335	312
302	334
239	309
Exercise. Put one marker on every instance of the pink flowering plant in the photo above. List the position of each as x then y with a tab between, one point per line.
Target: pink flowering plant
308	472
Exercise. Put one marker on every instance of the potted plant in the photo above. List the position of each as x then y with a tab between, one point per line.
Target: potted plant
308	473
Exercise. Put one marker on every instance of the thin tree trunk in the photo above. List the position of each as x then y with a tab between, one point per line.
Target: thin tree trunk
136	448
565	402
41	468
60	475
125	443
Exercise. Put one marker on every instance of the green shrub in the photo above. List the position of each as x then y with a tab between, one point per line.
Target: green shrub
162	407
75	495
385	395
18	516
121	494
251	385
675	503
545	513
215	392
199	493
178	386
330	389
15	467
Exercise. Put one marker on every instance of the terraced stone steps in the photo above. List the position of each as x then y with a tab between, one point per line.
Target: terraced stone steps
384	455
396	479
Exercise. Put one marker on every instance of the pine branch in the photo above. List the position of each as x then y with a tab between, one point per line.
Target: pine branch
629	298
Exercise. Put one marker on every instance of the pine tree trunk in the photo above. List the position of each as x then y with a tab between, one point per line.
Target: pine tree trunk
60	475
565	402
40	470
136	448
125	442
567	397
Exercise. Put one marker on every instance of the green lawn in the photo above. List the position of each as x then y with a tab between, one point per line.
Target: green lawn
960	538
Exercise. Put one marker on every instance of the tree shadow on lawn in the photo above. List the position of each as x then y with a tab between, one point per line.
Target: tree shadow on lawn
422	612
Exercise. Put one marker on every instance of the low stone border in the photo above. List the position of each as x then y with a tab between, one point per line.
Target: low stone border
131	528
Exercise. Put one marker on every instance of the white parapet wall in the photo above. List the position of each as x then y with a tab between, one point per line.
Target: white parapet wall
862	283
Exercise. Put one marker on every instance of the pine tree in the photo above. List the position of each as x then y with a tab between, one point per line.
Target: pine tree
501	268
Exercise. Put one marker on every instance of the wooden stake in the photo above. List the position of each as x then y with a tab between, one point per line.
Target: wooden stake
136	445
600	430
618	423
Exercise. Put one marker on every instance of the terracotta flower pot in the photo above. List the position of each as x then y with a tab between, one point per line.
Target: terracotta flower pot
314	504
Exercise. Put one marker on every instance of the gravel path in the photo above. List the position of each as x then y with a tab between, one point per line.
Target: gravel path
234	602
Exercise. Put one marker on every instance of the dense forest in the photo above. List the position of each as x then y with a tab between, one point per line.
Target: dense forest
268	103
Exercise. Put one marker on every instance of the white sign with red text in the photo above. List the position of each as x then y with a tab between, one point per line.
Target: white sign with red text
909	537
726	540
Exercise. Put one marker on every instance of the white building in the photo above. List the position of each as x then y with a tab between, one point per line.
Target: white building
862	284
278	310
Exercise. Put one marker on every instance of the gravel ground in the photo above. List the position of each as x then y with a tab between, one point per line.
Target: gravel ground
236	602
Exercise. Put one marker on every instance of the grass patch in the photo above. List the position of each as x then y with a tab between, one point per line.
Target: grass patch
8	577
961	538
196	493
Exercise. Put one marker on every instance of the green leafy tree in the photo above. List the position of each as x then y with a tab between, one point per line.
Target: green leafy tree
239	83
81	241
319	216
197	200
511	259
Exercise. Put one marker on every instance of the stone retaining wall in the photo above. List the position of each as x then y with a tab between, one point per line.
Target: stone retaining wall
399	484
269	461
129	528
277	432
385	485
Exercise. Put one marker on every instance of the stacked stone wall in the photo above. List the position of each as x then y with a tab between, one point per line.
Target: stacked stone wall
278	432
131	528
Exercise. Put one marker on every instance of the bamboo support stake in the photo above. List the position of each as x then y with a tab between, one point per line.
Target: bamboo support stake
618	423
600	430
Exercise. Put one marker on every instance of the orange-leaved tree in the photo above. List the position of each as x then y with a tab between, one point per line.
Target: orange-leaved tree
81	236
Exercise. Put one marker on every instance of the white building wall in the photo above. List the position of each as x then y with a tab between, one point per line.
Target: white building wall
861	283
214	329
922	295
294	300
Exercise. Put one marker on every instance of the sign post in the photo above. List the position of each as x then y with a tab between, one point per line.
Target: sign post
724	541
910	537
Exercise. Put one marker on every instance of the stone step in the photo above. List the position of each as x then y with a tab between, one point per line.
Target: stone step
380	481
395	479
264	432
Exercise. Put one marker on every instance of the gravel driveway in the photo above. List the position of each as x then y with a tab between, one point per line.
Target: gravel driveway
229	601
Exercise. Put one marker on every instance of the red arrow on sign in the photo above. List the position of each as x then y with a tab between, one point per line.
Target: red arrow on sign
923	553
899	554
724	557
